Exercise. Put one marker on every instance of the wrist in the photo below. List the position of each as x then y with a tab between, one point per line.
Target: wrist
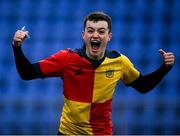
16	44
167	66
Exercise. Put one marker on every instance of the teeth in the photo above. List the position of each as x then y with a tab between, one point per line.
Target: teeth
95	41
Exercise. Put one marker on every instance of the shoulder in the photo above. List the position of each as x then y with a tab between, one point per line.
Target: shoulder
125	60
113	54
63	52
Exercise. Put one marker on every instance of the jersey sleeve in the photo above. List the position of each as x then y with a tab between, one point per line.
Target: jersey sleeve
130	73
53	65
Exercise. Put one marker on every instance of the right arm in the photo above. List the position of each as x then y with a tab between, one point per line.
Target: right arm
26	70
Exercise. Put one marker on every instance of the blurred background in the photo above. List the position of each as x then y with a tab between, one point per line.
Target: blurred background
140	29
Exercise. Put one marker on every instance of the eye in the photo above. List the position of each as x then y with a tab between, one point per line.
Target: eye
101	32
90	31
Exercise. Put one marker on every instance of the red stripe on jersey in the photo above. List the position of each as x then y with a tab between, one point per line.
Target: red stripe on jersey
78	79
53	65
100	118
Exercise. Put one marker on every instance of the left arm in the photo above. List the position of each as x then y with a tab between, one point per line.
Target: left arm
146	83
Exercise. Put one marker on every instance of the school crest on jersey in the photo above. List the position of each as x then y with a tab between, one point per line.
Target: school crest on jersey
109	73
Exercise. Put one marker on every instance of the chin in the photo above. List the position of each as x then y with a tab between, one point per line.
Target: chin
96	56
95	53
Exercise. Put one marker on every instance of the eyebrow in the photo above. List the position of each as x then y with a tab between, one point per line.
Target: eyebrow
98	28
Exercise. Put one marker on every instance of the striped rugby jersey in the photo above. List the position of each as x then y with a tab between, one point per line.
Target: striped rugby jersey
88	87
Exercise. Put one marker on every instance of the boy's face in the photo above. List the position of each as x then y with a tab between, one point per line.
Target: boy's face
96	36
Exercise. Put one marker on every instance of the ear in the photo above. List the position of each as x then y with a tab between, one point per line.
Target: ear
83	34
110	36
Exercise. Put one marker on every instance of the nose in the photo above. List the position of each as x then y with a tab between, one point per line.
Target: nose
95	34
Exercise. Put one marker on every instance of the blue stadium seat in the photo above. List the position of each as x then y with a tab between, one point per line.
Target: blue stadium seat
140	28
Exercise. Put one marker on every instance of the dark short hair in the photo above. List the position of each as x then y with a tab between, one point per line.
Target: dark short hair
98	16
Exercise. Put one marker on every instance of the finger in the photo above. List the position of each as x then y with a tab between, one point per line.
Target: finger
169	60
162	52
169	53
166	57
21	35
22	32
18	38
169	57
25	34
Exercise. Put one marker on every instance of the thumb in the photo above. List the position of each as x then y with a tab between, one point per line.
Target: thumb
26	34
162	52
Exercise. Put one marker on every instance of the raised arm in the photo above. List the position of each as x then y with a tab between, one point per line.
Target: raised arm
147	82
26	70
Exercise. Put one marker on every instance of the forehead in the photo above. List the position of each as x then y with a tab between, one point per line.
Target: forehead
96	25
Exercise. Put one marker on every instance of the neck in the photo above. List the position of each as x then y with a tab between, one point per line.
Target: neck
92	57
95	57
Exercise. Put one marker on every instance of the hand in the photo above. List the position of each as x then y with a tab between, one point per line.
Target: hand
168	57
19	37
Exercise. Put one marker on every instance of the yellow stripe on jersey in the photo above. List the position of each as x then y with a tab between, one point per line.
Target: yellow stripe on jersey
129	72
106	77
75	118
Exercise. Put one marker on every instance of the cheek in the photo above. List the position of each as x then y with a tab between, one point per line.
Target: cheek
86	37
105	39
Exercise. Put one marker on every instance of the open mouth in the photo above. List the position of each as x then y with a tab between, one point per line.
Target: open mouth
95	45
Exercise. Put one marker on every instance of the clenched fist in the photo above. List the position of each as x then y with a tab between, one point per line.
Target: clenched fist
19	37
